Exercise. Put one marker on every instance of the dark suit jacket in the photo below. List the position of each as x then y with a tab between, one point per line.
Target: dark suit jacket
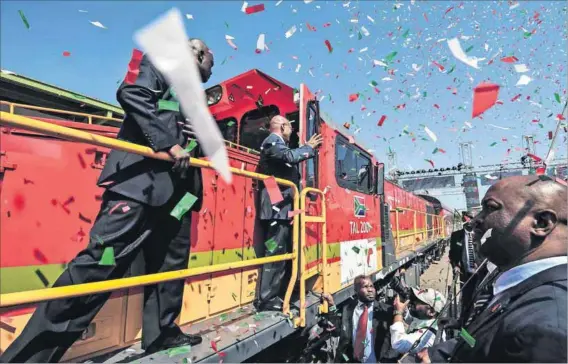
277	160
144	179
456	247
527	323
382	319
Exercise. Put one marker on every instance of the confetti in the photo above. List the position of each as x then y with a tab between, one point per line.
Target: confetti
511	59
523	80
353	97
484	97
328	45
521	68
133	67
260	46
191	146
66	53
273	190
42	277
271	245
108	256
24	19
290	32
431	134
98	24
382	120
229	40
179	350
557	98
457	51
254	9
183	206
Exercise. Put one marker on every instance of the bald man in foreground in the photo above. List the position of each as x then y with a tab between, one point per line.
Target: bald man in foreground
522	230
278	160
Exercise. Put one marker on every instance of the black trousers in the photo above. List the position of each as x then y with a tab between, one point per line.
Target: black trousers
466	293
273	276
55	325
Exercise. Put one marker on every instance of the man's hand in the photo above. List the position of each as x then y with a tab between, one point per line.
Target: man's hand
329	298
181	158
315	141
423	356
398	305
187	129
457	269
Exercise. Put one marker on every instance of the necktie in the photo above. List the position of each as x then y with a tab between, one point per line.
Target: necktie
361	335
483	297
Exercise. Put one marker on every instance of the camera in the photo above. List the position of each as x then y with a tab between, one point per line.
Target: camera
399	287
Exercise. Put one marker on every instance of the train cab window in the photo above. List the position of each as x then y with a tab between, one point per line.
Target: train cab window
228	128
294	138
254	126
311	129
352	167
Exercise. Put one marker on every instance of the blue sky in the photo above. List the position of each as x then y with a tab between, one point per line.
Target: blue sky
417	31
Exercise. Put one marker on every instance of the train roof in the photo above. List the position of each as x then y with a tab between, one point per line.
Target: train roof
436	202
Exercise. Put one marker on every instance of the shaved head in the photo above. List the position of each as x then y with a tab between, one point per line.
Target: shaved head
281	126
204	58
527	215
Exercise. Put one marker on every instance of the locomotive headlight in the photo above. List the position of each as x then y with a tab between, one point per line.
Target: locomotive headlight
214	95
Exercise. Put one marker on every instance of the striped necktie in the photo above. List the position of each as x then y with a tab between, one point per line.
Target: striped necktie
483	296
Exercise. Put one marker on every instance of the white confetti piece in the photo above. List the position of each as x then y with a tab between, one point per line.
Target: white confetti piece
363	50
308	1
488	176
485	236
279	2
229	40
165	43
365	31
499	127
457	51
415	67
524	80
83	11
521	68
468	124
355	21
244	7
97	24
260	46
379	63
189	16
370	19
280	65
514	6
291	32
431	134
386	79
298	68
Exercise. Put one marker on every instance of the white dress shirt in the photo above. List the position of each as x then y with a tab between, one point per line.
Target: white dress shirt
369	353
520	273
402	342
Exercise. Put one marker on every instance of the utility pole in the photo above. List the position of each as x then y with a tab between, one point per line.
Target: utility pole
529	149
392	165
466	154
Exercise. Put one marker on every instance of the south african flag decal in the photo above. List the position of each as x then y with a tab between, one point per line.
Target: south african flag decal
359	206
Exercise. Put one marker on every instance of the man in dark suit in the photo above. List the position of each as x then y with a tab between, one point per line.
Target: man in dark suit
459	261
278	160
522	230
135	214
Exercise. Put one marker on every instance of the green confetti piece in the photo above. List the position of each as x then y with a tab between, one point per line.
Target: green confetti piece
374	83
191	146
527	34
557	97
179	350
271	245
541	126
359	36
108	256
42	277
435	151
168	105
223	317
183	205
356	250
24	19
230	123
451	69
493	144
468	49
227	25
224	60
467	337
345	358
406	33
390	56
424	94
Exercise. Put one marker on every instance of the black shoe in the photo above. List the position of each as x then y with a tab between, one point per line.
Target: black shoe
274	304
168	342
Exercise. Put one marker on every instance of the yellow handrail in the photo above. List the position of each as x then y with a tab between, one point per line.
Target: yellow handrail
89	117
11	299
303	275
437	231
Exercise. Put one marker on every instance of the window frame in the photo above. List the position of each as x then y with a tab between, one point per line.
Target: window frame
242	125
368	190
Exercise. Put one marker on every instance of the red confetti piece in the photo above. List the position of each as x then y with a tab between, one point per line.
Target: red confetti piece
400	107
430	161
134	67
310	28
328	45
560	117
549	135
273	190
515	98
449	9
66	54
425	16
511	59
214	346
540	171
254	9
346	125
534	157
351	139
440	67
40	256
436	106
382	120
441	151
69	201
327	25
484	97
353	97
81	161
116	207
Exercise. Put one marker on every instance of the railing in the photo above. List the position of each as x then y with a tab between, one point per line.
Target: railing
304	275
34	296
435	218
12	110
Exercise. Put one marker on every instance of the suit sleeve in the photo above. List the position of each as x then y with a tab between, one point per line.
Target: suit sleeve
455	253
139	101
279	151
536	343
